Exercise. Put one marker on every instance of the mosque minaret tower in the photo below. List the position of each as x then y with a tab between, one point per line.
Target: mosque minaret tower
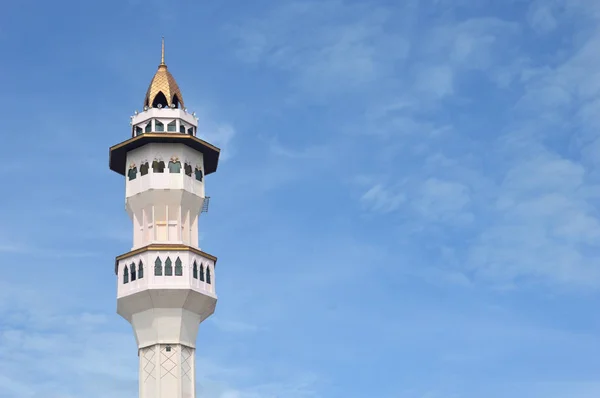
165	284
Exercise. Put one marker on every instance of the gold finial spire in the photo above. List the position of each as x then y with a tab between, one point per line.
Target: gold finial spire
163	84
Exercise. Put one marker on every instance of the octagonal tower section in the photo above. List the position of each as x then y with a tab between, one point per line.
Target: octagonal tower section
165	284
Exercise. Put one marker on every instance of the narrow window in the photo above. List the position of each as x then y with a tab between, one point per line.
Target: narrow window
158	166
132	270
144	169
182	128
168	267
132	172
191	131
187	168
125	275
208	274
171	126
202	272
148	127
198	173
178	267
195	270
158	267
138	130
140	270
158	126
174	166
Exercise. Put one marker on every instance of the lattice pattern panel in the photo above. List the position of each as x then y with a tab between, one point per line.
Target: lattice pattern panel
168	360
147	356
186	362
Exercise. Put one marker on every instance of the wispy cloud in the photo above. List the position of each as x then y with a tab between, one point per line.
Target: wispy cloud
348	47
380	199
232	326
413	185
70	343
218	133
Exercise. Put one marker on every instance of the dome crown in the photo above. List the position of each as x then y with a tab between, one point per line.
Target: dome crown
163	90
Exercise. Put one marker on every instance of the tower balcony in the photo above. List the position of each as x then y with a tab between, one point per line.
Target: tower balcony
165	166
161	175
165	292
120	161
165	266
163	120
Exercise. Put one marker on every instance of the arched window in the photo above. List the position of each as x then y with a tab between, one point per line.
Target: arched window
148	127
208	274
168	267
158	126
174	166
125	275
191	131
178	267
202	272
160	99
158	166
172	126
195	270
132	270
198	173
176	101
158	267
144	168
140	270
138	130
187	168
181	128
132	173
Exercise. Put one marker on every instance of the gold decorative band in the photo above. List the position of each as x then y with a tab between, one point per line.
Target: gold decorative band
164	247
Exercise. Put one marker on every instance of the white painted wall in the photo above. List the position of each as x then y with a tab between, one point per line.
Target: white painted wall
164	207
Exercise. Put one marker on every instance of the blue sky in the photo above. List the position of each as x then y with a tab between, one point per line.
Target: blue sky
406	206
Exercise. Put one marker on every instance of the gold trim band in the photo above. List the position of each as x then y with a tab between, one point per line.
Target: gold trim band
163	247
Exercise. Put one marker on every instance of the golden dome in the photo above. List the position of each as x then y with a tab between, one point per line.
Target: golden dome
163	88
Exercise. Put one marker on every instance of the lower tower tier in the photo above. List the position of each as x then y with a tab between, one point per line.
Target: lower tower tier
165	292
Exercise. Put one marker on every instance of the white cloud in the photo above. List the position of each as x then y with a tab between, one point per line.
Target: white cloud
439	200
522	194
232	326
311	152
380	199
435	80
218	133
544	226
542	16
347	47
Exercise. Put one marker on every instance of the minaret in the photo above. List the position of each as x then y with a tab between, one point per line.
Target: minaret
165	284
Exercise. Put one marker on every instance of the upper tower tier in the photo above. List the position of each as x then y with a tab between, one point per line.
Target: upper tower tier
163	90
163	120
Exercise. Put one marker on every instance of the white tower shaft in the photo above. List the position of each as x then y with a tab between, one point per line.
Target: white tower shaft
165	284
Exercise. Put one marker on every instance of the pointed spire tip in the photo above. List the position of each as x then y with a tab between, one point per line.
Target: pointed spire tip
162	56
